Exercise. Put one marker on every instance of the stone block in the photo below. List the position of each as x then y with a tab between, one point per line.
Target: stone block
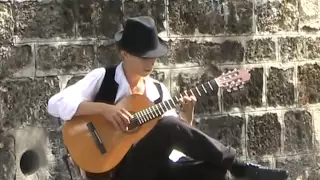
107	55
309	83
24	102
184	79
299	167
6	23
226	129
292	48
162	75
250	95
312	48
298	132
74	79
205	53
275	16
259	50
98	17
64	59
153	8
48	19
309	15
14	59
280	88
264	135
7	157
210	17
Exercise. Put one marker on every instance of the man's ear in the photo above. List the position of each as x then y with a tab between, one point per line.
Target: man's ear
124	54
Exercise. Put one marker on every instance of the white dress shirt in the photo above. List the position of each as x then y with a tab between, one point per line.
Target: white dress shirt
64	104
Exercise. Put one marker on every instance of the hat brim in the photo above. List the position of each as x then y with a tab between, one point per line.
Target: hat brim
160	51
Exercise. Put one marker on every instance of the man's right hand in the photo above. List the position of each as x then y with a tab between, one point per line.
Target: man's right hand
119	117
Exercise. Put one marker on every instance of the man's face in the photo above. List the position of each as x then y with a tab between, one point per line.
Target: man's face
141	66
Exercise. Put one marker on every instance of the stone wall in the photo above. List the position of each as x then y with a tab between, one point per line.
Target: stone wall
47	45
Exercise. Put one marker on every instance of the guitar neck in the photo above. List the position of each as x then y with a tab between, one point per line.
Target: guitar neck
159	109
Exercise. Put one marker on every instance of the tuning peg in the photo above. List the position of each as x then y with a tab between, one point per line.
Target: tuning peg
229	90
241	86
235	88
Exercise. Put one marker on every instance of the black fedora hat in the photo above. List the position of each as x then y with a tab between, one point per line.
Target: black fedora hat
139	37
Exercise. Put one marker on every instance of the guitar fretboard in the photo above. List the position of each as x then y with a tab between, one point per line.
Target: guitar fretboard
159	109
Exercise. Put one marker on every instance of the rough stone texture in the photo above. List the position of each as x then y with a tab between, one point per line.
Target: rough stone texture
210	17
309	83
263	135
153	8
275	16
309	15
13	59
6	23
205	53
8	167
98	18
299	132
259	50
107	55
24	102
280	89
312	48
299	167
48	45
292	48
44	20
251	95
65	58
227	129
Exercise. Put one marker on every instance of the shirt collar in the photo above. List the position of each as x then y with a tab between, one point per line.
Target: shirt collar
151	90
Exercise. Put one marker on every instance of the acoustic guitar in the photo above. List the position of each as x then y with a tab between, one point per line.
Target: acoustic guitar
97	147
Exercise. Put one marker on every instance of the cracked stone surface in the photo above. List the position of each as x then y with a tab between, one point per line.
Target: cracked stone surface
65	59
31	19
210	17
227	129
309	87
299	167
205	53
98	18
6	23
280	89
154	8
264	133
14	58
260	50
275	16
298	132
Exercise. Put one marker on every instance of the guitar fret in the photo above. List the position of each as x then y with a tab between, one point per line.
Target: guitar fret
210	86
204	89
198	91
192	92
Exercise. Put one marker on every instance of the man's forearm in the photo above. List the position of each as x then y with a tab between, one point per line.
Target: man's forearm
90	108
188	117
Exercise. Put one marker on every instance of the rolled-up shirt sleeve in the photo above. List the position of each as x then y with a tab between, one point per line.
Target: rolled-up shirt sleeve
65	103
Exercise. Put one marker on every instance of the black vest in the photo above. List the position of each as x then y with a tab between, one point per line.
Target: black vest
109	88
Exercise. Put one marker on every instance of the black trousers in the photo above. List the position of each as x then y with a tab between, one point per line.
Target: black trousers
148	159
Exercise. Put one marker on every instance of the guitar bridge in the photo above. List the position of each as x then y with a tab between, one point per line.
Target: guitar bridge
96	138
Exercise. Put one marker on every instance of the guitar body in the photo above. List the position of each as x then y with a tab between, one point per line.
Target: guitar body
82	147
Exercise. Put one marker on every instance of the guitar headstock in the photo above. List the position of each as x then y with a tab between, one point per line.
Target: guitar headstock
233	80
